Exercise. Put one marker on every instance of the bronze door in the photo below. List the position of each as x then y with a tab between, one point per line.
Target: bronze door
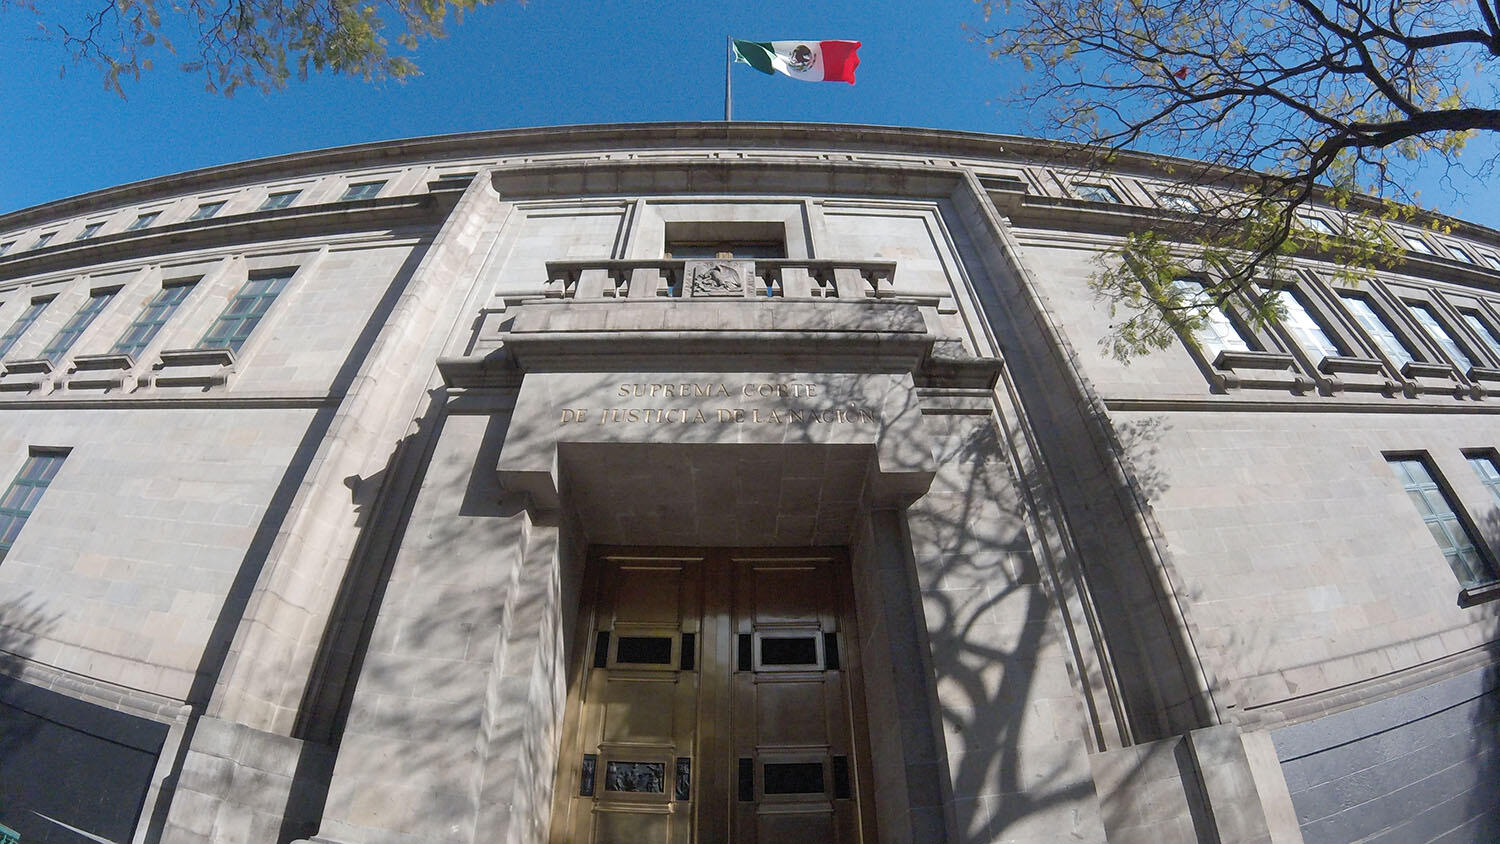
716	703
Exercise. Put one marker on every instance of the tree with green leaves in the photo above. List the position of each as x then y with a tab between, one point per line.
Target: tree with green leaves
237	44
1285	102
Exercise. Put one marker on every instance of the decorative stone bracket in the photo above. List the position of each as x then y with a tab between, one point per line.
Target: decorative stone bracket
193	367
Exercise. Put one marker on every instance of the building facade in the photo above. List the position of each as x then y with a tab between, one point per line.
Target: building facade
729	482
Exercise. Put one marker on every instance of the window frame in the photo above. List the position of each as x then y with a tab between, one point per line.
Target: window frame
1416	243
356	191
217	338
89	230
157	322
13	519
1307	307
266	204
1225	319
1080	188
1457	514
216	206
1416	305
1316	223
43	239
143	221
1169	199
57	348
23	323
1412	351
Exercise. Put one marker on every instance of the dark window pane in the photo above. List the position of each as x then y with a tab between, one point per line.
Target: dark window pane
644	650
788	650
794	778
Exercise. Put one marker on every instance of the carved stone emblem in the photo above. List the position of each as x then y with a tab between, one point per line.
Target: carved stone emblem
717	278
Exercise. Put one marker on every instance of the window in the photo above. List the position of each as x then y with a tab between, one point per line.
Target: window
143	221
1179	202
24	493
1216	333
1308	332
252	301
280	200
23	322
1372	322
152	317
1489	258
1416	244
206	210
5	247
1482	328
725	249
90	230
42	239
1451	534
1435	330
1095	192
361	190
73	328
1460	253
1313	223
1489	473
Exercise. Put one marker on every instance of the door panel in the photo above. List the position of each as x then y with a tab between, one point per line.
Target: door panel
715	703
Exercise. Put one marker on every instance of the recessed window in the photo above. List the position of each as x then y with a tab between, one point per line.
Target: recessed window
74	327
152	317
1460	253
1181	202
1308	331
361	190
23	322
1452	535
1482	328
279	200
1489	258
43	240
1488	471
644	650
1215	333
234	325
25	493
5	247
1438	333
1416	244
143	221
206	210
1314	223
89	230
1094	192
1376	326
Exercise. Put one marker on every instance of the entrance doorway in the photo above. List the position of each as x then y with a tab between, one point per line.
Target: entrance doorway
716	699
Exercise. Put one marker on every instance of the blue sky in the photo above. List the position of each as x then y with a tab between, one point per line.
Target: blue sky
547	62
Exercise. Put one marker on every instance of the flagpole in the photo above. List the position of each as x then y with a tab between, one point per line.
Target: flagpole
728	62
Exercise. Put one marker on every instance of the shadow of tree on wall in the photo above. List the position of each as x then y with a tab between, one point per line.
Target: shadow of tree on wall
1018	735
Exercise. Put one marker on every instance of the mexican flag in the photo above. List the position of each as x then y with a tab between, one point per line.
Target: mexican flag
810	61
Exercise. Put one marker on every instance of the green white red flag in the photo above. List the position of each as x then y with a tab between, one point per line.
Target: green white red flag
810	61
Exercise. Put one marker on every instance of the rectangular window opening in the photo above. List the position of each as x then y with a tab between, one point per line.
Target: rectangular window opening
25	492
206	210
361	190
245	310
1305	328
76	324
152	317
279	200
1439	334
1454	537
143	221
89	231
1094	192
1216	332
1379	330
22	323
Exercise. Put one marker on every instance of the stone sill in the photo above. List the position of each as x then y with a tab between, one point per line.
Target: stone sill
1352	366
89	363
1479	593
193	367
1267	361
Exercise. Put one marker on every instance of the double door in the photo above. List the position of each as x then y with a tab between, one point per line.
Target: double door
715	701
